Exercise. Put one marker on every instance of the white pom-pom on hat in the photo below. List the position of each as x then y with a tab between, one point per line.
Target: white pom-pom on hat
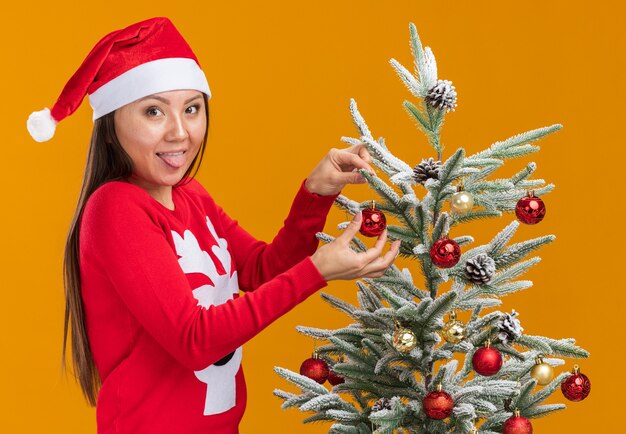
41	125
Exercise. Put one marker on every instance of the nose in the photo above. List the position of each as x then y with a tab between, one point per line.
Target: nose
177	129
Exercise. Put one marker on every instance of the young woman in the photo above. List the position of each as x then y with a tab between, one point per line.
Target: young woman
154	267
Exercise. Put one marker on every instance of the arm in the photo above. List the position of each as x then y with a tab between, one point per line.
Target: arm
257	261
125	241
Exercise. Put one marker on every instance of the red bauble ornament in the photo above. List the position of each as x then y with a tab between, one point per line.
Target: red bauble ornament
577	386
530	209
487	361
315	368
517	424
445	253
438	405
373	223
334	378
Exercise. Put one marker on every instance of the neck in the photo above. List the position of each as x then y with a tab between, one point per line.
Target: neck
160	193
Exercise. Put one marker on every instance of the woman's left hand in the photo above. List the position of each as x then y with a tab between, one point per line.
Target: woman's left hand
338	168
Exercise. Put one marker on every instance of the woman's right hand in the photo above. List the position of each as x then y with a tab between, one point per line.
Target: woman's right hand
337	261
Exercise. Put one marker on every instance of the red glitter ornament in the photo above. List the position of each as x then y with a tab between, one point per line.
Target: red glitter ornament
438	405
577	386
487	361
334	378
315	368
517	424
530	209
445	253
373	223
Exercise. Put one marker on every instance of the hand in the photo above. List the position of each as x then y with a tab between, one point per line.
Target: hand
337	261
338	168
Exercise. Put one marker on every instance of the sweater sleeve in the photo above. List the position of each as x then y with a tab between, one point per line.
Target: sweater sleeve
257	261
121	236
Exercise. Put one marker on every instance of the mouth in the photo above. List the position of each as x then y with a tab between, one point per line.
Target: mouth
175	160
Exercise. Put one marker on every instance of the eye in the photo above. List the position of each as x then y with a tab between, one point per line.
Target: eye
193	109
153	111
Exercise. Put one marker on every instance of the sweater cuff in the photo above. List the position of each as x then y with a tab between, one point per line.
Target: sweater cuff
309	276
308	199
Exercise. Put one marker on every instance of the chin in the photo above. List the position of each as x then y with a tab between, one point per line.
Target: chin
171	178
171	181
150	182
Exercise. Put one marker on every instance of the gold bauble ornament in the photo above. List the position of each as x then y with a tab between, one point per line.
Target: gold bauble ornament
404	340
542	372
461	201
453	331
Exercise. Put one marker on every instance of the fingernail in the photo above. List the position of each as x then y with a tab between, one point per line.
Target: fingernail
358	216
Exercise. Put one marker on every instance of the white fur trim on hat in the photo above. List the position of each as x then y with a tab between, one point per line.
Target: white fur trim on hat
41	125
146	79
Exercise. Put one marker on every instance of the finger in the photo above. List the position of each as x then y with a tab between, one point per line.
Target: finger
374	269
382	263
374	252
353	161
392	253
385	261
351	230
350	178
374	274
361	150
365	154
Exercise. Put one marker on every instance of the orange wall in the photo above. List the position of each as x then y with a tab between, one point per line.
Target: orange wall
282	74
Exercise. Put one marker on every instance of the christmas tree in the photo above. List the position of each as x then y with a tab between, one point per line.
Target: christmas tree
406	363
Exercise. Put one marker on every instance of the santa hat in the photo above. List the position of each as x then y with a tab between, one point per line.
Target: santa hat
128	64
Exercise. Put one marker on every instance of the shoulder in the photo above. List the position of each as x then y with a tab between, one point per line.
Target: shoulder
115	192
115	199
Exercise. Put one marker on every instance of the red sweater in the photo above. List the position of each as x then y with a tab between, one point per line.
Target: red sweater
163	313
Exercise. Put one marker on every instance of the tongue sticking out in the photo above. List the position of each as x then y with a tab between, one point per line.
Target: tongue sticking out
175	161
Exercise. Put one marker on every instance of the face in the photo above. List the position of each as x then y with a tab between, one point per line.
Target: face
162	134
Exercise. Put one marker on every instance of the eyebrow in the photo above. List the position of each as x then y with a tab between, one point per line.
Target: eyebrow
165	100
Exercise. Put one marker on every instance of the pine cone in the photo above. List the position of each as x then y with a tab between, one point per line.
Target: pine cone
382	404
442	96
510	328
427	169
481	269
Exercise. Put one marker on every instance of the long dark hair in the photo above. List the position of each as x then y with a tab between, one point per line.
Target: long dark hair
106	161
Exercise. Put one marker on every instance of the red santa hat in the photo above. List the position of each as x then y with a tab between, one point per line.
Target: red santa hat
128	64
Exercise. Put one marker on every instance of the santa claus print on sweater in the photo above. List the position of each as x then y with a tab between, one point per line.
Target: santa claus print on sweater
220	376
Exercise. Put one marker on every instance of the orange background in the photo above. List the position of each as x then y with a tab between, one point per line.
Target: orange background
282	74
